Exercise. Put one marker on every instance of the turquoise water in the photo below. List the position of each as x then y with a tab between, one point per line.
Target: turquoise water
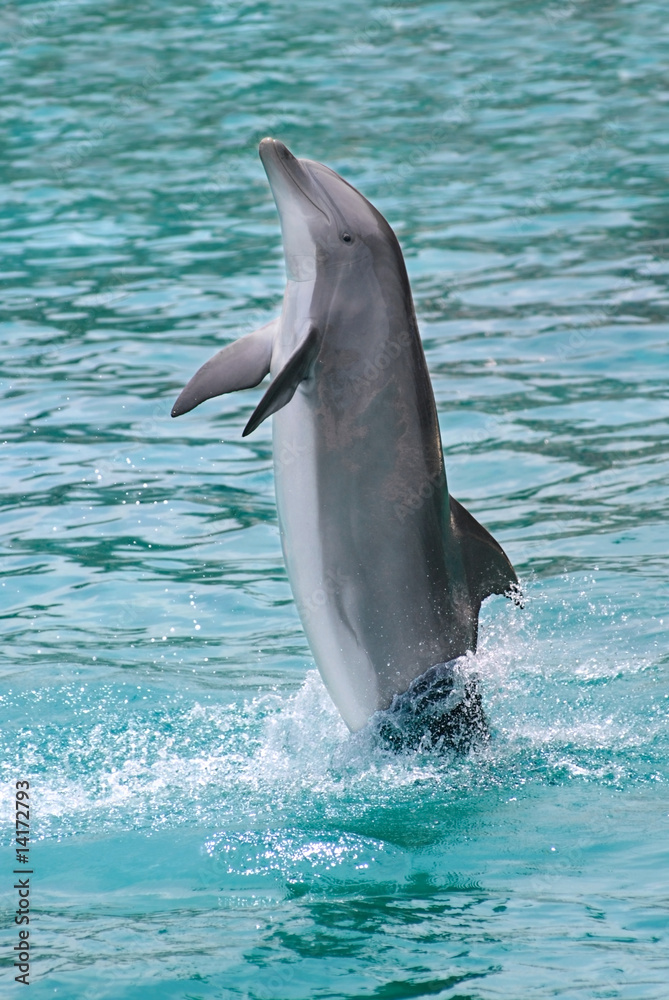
204	825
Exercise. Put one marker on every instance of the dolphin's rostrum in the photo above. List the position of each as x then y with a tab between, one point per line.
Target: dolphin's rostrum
388	571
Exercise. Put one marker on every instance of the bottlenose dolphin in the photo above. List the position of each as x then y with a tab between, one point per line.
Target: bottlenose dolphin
387	570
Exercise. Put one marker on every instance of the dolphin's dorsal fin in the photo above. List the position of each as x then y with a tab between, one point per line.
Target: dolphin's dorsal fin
240	365
487	565
283	385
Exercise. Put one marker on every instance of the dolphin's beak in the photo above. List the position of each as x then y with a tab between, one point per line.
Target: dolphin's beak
282	168
285	173
302	207
272	150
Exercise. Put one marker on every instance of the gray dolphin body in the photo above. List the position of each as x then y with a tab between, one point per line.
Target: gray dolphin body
388	571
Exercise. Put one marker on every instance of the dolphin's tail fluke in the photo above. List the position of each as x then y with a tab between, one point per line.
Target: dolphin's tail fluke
441	711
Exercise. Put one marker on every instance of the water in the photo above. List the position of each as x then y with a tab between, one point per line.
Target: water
204	825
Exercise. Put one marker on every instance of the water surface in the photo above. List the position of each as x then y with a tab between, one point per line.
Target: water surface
204	825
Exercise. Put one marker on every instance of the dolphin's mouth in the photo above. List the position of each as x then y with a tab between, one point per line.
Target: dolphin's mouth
274	154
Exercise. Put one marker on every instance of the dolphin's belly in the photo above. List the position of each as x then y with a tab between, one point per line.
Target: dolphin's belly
367	555
344	664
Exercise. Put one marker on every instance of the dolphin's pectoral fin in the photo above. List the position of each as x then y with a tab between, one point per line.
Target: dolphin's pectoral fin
282	387
487	565
240	365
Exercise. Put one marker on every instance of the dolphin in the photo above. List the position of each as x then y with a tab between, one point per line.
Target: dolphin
388	570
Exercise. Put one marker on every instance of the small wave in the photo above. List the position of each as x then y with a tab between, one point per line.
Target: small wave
141	757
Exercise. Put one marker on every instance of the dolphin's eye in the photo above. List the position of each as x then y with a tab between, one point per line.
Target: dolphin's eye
347	238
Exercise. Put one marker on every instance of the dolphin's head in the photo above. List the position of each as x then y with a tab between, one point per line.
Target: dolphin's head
325	222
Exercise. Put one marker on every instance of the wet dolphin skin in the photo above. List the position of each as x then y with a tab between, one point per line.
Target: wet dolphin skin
388	571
